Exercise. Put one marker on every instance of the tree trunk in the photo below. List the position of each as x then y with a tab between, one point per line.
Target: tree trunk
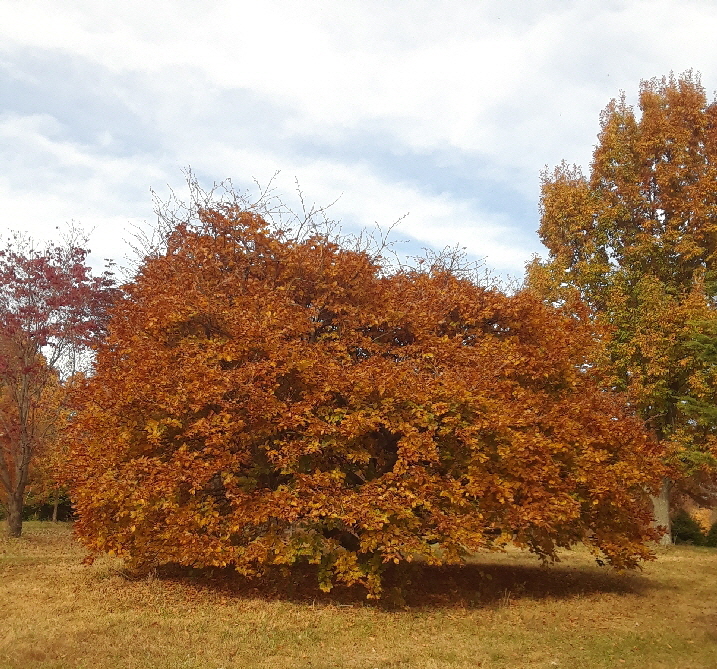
661	511
54	507
14	516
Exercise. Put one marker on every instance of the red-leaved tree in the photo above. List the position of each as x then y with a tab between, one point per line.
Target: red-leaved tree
51	310
263	399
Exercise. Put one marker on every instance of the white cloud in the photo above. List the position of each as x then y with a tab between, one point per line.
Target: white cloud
243	89
48	182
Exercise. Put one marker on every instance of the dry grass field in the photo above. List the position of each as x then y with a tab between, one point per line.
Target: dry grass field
500	611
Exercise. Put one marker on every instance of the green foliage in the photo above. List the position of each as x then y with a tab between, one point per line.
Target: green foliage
711	538
686	530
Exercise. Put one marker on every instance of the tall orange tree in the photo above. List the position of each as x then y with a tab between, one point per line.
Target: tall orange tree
264	399
51	309
637	241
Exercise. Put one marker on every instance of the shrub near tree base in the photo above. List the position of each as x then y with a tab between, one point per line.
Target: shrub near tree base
262	400
711	538
686	530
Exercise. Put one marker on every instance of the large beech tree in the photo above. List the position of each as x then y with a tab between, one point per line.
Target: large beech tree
263	400
637	240
51	309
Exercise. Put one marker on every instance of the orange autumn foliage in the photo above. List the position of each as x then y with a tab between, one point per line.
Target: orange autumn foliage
262	400
636	239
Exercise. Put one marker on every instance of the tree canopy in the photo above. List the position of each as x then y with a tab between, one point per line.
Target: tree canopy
264	399
51	309
637	241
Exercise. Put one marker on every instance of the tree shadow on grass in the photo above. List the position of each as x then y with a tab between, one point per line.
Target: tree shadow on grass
420	586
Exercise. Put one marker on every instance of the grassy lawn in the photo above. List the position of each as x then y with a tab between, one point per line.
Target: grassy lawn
501	611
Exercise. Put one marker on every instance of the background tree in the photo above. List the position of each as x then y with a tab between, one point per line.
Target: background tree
46	494
637	241
265	398
43	487
51	310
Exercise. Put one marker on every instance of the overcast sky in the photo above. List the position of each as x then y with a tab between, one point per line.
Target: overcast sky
445	110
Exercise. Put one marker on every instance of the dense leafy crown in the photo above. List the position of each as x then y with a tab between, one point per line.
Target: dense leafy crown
263	400
649	206
637	240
